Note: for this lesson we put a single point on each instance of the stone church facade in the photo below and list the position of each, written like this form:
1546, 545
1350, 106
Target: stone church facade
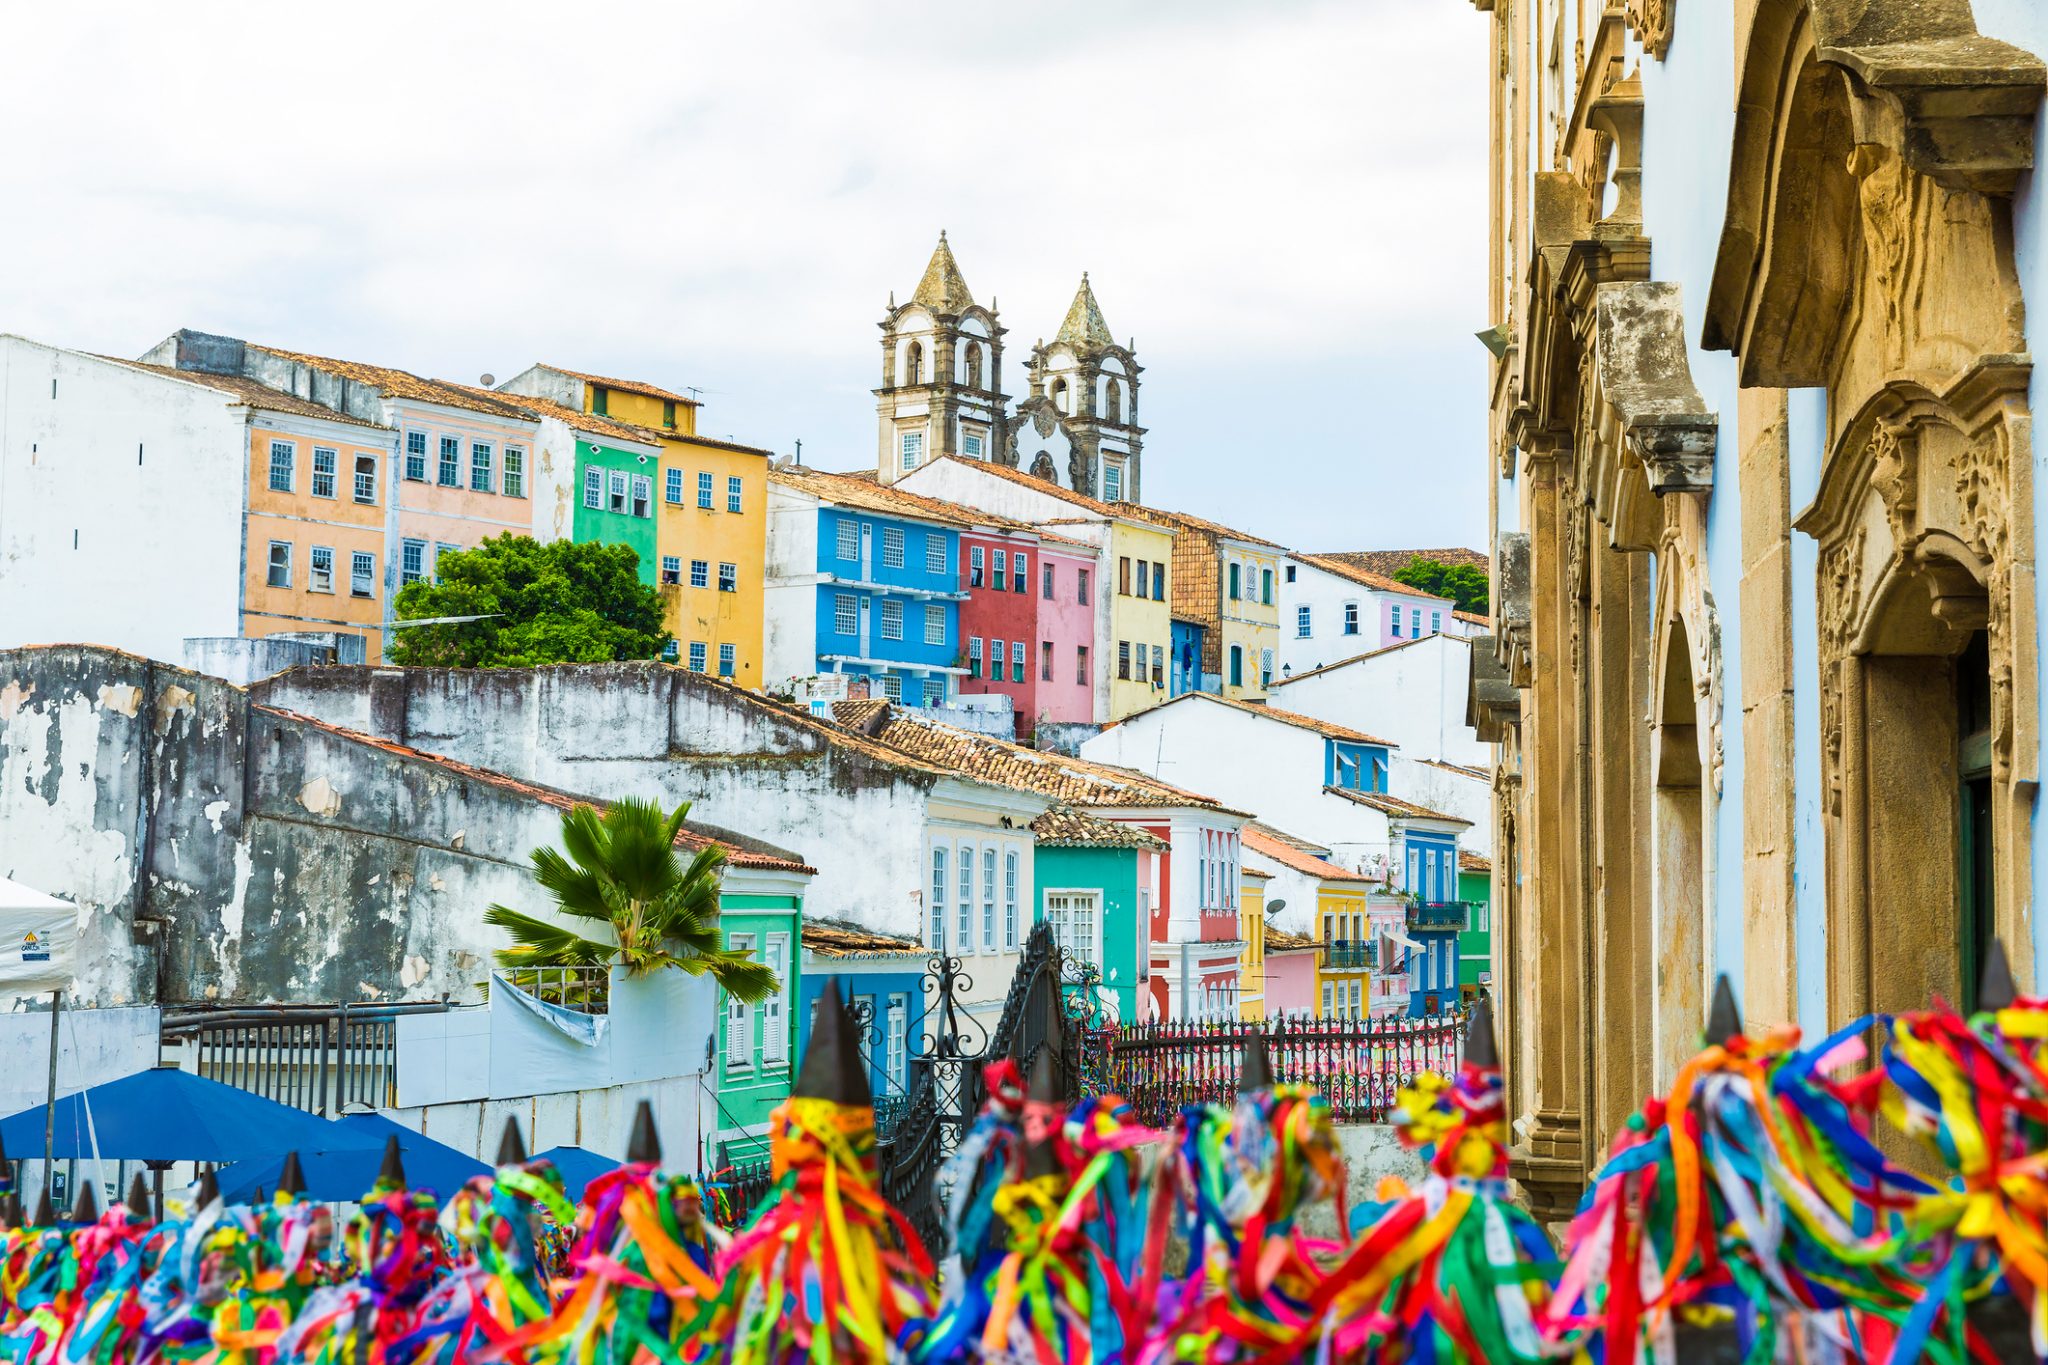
942, 391
1764, 686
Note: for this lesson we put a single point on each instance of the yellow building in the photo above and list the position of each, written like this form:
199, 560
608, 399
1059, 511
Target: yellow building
711, 522
1341, 919
1251, 910
1227, 582
1138, 563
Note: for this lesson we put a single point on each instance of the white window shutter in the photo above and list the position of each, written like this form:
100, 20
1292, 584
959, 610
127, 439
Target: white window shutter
775, 1013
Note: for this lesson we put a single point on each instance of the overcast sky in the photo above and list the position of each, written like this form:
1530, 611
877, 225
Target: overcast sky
1282, 202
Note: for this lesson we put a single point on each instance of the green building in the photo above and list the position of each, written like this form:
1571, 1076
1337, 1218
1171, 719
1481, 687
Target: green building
1094, 887
616, 502
761, 911
1475, 944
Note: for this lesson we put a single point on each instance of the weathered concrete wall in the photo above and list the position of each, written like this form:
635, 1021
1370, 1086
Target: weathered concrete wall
1371, 1153
643, 729
219, 850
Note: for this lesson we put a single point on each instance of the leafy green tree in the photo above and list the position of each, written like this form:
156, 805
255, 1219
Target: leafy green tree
559, 603
622, 871
1465, 584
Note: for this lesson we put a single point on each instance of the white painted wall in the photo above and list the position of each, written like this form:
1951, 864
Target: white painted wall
1467, 796
1413, 695
790, 588
1325, 594
97, 546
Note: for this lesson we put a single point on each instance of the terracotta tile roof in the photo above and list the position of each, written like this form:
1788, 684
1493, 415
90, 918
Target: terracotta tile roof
1372, 654
871, 496
1064, 827
404, 384
1188, 521
251, 393
1461, 769
1280, 941
1078, 781
626, 386
693, 439
1386, 562
1394, 806
1343, 568
1262, 841
1474, 862
832, 939
1473, 618
740, 850
1327, 729
590, 424
1067, 495
1254, 872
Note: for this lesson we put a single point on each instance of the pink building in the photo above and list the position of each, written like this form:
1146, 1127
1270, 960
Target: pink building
1067, 579
1290, 974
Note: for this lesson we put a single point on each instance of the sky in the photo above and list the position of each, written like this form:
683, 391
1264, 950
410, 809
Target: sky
1281, 203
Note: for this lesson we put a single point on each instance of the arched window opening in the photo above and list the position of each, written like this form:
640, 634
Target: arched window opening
1113, 402
1678, 838
913, 364
974, 365
1059, 394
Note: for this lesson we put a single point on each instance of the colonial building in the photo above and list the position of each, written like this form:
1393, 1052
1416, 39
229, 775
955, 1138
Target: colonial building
1332, 609
1762, 457
941, 393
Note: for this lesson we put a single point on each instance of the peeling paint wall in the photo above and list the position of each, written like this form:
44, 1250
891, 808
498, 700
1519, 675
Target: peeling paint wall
670, 735
221, 852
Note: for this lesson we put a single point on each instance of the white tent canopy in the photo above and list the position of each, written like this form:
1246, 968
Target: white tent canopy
38, 939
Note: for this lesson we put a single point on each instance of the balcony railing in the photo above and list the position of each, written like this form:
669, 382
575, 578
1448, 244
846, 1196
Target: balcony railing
1349, 955
1454, 915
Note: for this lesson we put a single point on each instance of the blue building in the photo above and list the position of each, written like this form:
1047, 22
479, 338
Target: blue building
863, 580
1185, 672
1428, 853
883, 979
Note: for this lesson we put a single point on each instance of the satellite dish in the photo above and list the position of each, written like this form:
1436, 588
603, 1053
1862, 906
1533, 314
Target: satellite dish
488, 380
1275, 906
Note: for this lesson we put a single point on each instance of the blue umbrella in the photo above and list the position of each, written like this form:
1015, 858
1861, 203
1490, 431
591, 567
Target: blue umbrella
168, 1115
578, 1167
347, 1173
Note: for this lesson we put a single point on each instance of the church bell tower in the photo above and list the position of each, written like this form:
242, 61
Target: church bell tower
942, 375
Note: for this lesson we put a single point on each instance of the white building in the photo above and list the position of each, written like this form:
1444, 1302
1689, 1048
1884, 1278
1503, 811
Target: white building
121, 503
1412, 692
1331, 610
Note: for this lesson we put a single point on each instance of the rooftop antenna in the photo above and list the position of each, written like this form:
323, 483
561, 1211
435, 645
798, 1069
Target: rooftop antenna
487, 379
799, 451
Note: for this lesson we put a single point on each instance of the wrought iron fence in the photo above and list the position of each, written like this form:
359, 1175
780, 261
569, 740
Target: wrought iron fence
1358, 1064
1349, 955
1440, 915
321, 1058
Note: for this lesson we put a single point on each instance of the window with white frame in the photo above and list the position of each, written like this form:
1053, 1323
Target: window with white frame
449, 467
974, 566
995, 660
320, 569
934, 552
362, 578
1002, 570
892, 620
283, 456
728, 660
699, 656
1301, 622
1328, 989
1073, 918
844, 622
735, 493
934, 624
1351, 618
1112, 481
934, 691
325, 464
618, 491
416, 456
1436, 623
412, 561
1415, 623
974, 656
1010, 899
728, 577
848, 538
279, 574
1020, 572
964, 918
1017, 661
739, 1017
970, 444
700, 573
672, 486
482, 479
892, 686
988, 900
672, 568
892, 547
896, 1043
366, 479
643, 495
936, 930
593, 487
913, 450
515, 472
705, 488
775, 1009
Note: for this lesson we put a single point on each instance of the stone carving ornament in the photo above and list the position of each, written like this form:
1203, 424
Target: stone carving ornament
1650, 21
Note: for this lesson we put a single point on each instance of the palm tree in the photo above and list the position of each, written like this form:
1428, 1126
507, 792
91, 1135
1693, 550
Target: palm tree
622, 870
